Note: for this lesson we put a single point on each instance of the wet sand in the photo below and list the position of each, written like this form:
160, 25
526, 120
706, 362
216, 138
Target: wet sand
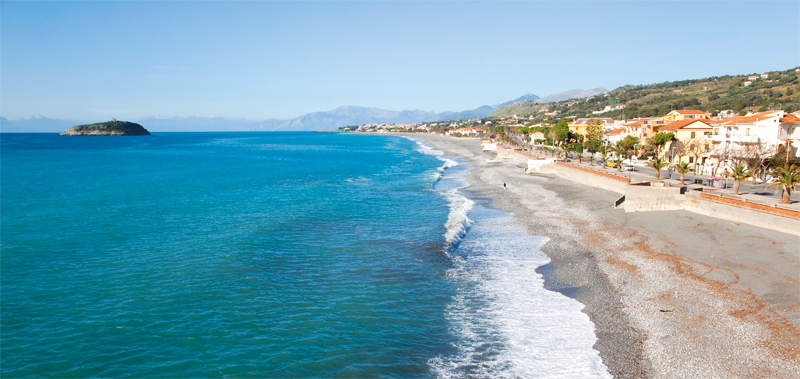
672, 294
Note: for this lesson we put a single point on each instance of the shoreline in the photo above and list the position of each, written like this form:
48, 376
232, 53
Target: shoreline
671, 293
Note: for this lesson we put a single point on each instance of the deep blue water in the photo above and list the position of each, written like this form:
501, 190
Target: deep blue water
266, 254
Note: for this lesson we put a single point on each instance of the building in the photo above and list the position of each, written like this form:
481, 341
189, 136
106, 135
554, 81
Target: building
772, 129
688, 132
681, 114
613, 136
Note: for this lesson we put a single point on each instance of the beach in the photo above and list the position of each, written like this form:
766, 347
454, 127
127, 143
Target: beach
672, 294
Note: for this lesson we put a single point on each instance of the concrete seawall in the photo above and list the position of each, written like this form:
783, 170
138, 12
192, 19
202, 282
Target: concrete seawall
592, 178
735, 210
641, 197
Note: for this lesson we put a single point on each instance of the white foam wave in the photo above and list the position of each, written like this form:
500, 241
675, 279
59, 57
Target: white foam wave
508, 325
457, 221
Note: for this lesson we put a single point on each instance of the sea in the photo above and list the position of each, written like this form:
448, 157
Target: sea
279, 255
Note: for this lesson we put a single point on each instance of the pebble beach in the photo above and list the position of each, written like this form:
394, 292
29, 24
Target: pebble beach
672, 294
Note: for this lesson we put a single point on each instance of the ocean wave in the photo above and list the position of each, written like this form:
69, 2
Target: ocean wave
457, 223
508, 325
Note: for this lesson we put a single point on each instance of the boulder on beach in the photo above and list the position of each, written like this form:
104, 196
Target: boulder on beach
109, 128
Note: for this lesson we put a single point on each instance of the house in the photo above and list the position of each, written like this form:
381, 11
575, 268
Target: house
580, 125
747, 83
687, 131
681, 114
537, 136
613, 136
466, 132
752, 77
765, 75
770, 129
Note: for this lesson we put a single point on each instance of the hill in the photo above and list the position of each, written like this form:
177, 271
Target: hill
779, 90
108, 128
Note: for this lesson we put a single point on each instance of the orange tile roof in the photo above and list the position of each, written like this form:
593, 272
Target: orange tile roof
790, 118
615, 131
747, 119
681, 124
637, 123
690, 111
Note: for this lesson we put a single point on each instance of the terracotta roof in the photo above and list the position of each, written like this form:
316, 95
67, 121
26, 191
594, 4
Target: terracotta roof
637, 123
681, 124
690, 111
615, 131
746, 119
790, 118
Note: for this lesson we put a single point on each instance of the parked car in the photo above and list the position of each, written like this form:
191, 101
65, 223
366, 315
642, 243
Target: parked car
628, 167
612, 164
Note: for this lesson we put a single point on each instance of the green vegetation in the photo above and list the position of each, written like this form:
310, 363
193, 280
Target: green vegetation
683, 168
657, 164
786, 179
779, 91
738, 174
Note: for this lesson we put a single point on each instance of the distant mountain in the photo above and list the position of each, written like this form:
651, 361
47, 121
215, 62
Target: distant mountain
327, 120
527, 96
36, 124
571, 94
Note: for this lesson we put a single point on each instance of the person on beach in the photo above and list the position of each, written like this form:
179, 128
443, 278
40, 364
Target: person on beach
504, 186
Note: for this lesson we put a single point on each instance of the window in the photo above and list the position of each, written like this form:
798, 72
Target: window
692, 135
747, 132
691, 159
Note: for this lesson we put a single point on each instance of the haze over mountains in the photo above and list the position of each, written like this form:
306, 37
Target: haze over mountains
327, 120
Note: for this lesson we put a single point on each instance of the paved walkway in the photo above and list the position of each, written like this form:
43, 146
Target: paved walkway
756, 193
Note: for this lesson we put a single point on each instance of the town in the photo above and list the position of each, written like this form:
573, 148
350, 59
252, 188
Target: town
755, 145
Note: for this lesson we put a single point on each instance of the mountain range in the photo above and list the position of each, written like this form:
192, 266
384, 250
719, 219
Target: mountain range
327, 120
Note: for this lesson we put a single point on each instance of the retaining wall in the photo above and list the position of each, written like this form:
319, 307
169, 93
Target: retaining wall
642, 198
542, 166
783, 220
592, 178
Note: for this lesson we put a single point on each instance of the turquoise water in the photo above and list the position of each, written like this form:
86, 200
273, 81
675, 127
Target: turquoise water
270, 255
281, 254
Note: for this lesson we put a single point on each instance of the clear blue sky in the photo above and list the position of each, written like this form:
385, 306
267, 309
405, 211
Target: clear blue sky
259, 60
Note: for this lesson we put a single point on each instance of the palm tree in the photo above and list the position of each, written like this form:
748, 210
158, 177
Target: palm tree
620, 151
738, 174
568, 149
787, 180
604, 156
657, 164
580, 157
682, 168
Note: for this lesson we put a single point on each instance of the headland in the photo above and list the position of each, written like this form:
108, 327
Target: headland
672, 293
108, 128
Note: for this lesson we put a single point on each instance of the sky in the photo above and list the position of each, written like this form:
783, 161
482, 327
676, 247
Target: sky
258, 60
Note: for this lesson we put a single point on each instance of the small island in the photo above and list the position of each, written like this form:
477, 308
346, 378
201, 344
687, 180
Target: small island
108, 128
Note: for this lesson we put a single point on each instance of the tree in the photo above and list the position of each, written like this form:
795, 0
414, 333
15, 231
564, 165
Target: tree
604, 157
620, 152
580, 156
593, 141
660, 140
657, 164
756, 157
786, 180
561, 129
682, 168
629, 142
695, 148
568, 148
738, 174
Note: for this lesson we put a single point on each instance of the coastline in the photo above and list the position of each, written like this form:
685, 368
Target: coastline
671, 293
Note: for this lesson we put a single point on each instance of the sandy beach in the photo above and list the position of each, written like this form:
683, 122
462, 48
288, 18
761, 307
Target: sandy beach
672, 294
